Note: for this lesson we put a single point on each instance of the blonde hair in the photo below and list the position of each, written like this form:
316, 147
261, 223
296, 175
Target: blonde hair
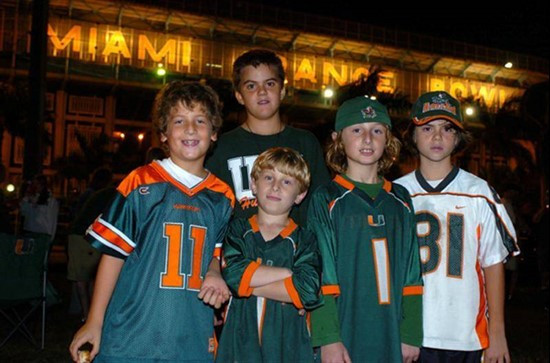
337, 160
285, 160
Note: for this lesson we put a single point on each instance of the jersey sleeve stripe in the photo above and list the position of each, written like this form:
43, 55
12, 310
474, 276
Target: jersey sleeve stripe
217, 252
330, 290
108, 244
412, 290
507, 238
293, 293
107, 236
115, 230
244, 287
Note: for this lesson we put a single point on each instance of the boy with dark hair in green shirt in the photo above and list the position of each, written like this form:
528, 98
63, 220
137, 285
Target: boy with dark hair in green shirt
258, 79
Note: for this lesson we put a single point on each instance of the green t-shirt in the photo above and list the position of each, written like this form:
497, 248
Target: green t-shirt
235, 153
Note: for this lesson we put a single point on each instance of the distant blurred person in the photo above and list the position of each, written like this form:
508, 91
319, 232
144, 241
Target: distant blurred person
541, 221
39, 208
83, 259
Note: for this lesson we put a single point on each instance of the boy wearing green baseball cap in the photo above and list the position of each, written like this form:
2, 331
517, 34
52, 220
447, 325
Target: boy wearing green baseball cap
364, 225
465, 235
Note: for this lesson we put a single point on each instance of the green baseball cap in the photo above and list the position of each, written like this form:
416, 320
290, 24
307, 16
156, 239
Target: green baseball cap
360, 110
437, 105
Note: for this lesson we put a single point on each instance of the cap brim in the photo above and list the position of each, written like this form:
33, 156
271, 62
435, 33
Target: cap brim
425, 120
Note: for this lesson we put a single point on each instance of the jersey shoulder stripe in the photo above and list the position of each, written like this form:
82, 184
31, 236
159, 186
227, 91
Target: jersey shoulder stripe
155, 173
144, 175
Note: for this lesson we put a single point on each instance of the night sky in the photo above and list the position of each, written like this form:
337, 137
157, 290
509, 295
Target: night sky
521, 28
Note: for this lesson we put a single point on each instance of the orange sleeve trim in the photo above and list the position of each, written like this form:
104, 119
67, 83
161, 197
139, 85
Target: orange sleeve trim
294, 296
330, 290
413, 290
244, 288
217, 252
110, 236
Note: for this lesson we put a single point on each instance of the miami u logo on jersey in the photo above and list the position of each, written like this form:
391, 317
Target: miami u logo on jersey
240, 168
380, 221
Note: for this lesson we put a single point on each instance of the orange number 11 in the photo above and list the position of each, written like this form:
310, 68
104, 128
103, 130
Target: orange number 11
172, 277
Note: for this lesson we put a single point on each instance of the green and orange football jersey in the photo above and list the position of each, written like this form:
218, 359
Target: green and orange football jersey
258, 329
167, 233
370, 262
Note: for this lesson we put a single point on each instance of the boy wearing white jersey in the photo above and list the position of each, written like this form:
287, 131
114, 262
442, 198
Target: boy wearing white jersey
464, 235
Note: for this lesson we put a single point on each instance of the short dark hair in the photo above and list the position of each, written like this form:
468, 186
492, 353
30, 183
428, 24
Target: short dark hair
254, 58
190, 94
464, 138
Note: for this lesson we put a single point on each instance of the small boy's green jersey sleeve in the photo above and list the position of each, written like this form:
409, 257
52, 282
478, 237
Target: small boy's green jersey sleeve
306, 270
237, 270
321, 225
325, 326
411, 325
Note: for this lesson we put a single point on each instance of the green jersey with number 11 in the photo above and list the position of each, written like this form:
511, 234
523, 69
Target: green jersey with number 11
167, 234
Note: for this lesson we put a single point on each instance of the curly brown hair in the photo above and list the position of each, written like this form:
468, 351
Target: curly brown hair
337, 160
190, 95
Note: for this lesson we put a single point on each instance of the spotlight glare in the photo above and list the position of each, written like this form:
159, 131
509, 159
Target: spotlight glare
10, 188
141, 136
160, 70
470, 111
508, 65
328, 93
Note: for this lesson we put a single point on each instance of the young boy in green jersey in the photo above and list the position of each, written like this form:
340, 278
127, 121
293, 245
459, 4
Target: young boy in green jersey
160, 240
258, 79
272, 267
365, 229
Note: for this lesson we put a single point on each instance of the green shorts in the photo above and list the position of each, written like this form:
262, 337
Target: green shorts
83, 259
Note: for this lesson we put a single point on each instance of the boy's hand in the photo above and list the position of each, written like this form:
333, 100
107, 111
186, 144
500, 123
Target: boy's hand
88, 333
410, 353
335, 353
214, 290
497, 350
